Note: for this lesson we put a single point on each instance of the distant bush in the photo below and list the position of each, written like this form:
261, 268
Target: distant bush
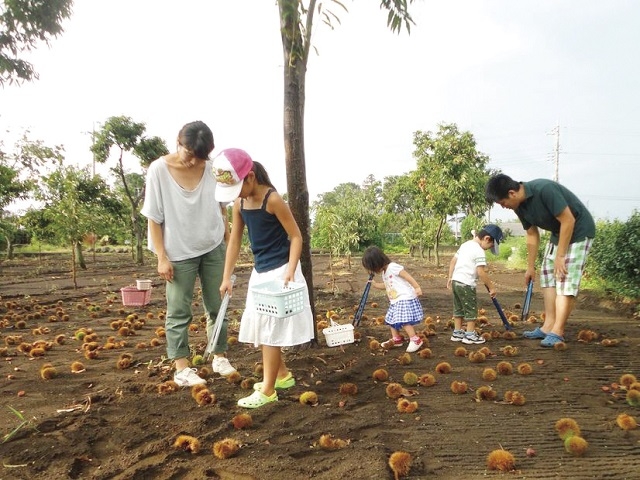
613, 265
470, 223
506, 250
514, 249
615, 256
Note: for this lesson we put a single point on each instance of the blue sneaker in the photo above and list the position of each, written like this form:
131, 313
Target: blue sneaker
533, 334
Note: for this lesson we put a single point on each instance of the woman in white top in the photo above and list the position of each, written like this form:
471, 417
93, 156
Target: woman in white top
187, 232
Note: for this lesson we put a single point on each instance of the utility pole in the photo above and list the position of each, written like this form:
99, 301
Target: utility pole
556, 131
93, 142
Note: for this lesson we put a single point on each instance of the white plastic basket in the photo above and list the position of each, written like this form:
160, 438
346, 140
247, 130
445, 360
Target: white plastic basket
338, 334
274, 299
143, 284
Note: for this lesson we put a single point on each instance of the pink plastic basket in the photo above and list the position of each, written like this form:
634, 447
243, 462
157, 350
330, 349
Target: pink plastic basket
132, 297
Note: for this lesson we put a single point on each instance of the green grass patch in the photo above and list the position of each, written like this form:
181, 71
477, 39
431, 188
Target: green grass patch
23, 423
44, 248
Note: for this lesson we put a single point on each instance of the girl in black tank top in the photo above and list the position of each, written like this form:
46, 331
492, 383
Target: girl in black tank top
268, 238
276, 243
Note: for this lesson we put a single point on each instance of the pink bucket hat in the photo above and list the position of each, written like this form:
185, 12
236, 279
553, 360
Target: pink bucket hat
230, 167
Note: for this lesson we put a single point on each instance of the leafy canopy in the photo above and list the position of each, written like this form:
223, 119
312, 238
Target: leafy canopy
346, 218
75, 202
24, 24
122, 135
452, 171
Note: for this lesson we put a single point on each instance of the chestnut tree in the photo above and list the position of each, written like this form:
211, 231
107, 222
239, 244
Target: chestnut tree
122, 135
296, 26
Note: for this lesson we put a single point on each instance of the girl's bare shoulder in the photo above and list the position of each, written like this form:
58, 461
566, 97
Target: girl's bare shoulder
275, 200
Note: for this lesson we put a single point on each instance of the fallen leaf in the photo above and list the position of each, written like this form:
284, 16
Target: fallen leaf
409, 393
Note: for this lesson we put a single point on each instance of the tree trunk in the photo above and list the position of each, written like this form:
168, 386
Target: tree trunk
296, 171
436, 247
80, 256
295, 67
333, 276
136, 247
73, 266
9, 247
139, 247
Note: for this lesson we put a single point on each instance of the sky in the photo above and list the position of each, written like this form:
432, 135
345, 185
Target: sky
511, 73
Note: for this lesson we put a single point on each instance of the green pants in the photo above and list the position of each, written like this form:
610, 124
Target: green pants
209, 269
465, 303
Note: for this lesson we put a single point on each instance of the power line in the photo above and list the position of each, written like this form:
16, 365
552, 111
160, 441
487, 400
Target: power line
523, 161
610, 197
604, 154
600, 131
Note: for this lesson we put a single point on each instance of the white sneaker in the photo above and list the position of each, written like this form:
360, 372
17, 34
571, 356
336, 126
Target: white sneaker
414, 346
473, 339
222, 366
188, 378
457, 335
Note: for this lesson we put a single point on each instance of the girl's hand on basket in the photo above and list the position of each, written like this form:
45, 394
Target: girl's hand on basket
288, 277
226, 287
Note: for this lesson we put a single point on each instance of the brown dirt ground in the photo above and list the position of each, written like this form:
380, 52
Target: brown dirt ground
111, 423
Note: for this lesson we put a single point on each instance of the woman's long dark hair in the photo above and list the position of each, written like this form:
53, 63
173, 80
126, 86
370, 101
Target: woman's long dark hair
262, 177
197, 137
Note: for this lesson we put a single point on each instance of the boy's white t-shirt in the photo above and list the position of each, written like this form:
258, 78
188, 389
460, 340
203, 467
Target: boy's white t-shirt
397, 287
191, 221
469, 257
